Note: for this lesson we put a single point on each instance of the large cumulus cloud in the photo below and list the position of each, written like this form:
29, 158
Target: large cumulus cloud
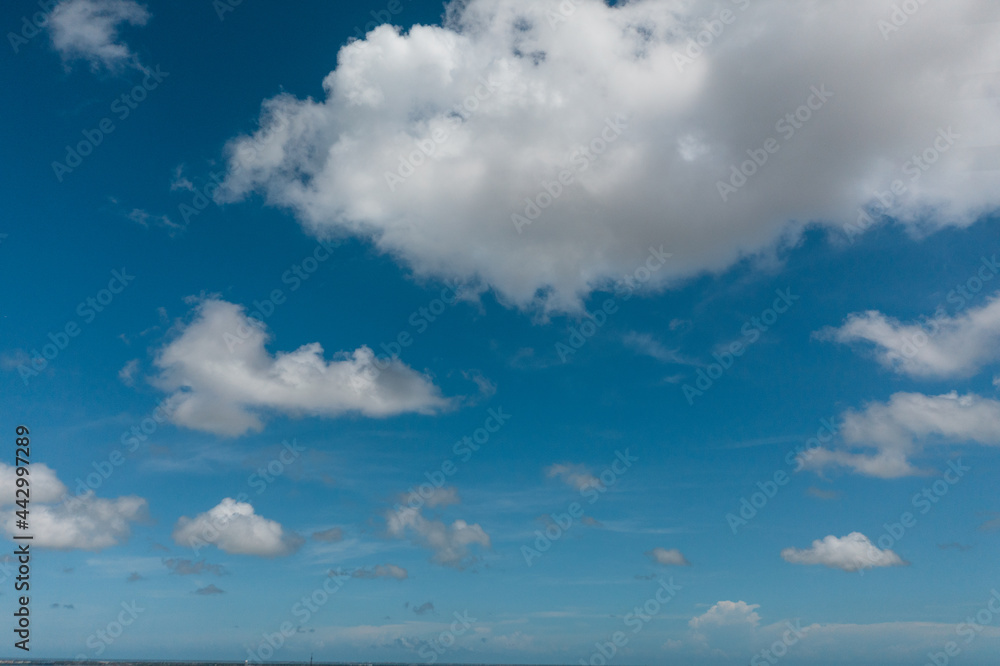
549, 78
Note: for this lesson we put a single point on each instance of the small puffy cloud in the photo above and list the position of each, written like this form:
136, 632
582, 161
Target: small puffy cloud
233, 527
449, 543
938, 347
331, 535
134, 577
423, 608
850, 553
505, 100
901, 428
221, 377
84, 522
183, 567
725, 613
209, 590
575, 475
726, 623
88, 30
671, 557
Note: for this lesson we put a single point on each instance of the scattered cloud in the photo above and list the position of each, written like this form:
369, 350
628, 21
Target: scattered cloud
133, 577
671, 557
331, 535
183, 567
220, 377
574, 475
88, 30
147, 219
954, 545
233, 527
378, 571
820, 493
209, 590
449, 543
939, 347
127, 373
901, 428
850, 553
424, 608
991, 525
647, 345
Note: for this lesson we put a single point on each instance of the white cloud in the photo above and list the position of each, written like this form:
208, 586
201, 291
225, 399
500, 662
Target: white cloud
942, 346
726, 624
551, 89
234, 528
901, 428
450, 543
726, 613
88, 30
849, 553
84, 522
672, 557
221, 377
45, 485
576, 476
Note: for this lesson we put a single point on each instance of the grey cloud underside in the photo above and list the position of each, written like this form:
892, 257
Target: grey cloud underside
552, 87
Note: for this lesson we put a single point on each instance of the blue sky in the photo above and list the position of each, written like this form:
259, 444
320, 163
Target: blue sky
602, 278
